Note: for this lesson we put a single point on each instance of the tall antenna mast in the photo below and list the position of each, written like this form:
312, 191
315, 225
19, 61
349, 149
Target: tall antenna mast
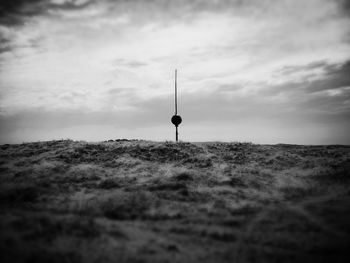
176, 119
175, 91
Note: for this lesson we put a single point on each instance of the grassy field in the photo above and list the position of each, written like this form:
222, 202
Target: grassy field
140, 201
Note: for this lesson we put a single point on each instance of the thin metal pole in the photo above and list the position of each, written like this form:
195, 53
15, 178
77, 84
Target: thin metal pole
175, 91
177, 135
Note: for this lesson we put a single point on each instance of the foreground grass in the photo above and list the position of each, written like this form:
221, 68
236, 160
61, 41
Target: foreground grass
140, 201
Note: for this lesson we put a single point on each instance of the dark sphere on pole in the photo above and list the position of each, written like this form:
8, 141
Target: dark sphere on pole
176, 120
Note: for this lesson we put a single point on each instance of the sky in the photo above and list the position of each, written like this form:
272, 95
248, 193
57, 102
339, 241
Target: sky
261, 71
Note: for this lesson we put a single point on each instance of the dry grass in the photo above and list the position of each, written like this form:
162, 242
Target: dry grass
140, 201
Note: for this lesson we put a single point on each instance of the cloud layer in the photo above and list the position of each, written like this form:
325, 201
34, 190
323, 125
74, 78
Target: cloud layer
262, 71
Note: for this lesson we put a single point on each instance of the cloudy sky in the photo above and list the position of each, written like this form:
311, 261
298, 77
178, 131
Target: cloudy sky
264, 71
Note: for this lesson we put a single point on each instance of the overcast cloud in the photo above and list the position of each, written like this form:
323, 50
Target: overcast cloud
264, 71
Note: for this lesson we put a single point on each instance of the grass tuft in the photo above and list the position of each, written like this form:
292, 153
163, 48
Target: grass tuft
125, 205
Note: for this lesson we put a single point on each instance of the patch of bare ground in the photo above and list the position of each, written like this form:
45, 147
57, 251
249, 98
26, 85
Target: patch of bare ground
141, 201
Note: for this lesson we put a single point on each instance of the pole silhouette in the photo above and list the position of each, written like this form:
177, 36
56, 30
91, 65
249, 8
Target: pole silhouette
176, 119
175, 91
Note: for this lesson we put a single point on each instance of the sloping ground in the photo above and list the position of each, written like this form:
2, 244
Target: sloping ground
140, 201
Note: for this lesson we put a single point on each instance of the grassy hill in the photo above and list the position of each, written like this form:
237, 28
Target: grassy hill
141, 201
